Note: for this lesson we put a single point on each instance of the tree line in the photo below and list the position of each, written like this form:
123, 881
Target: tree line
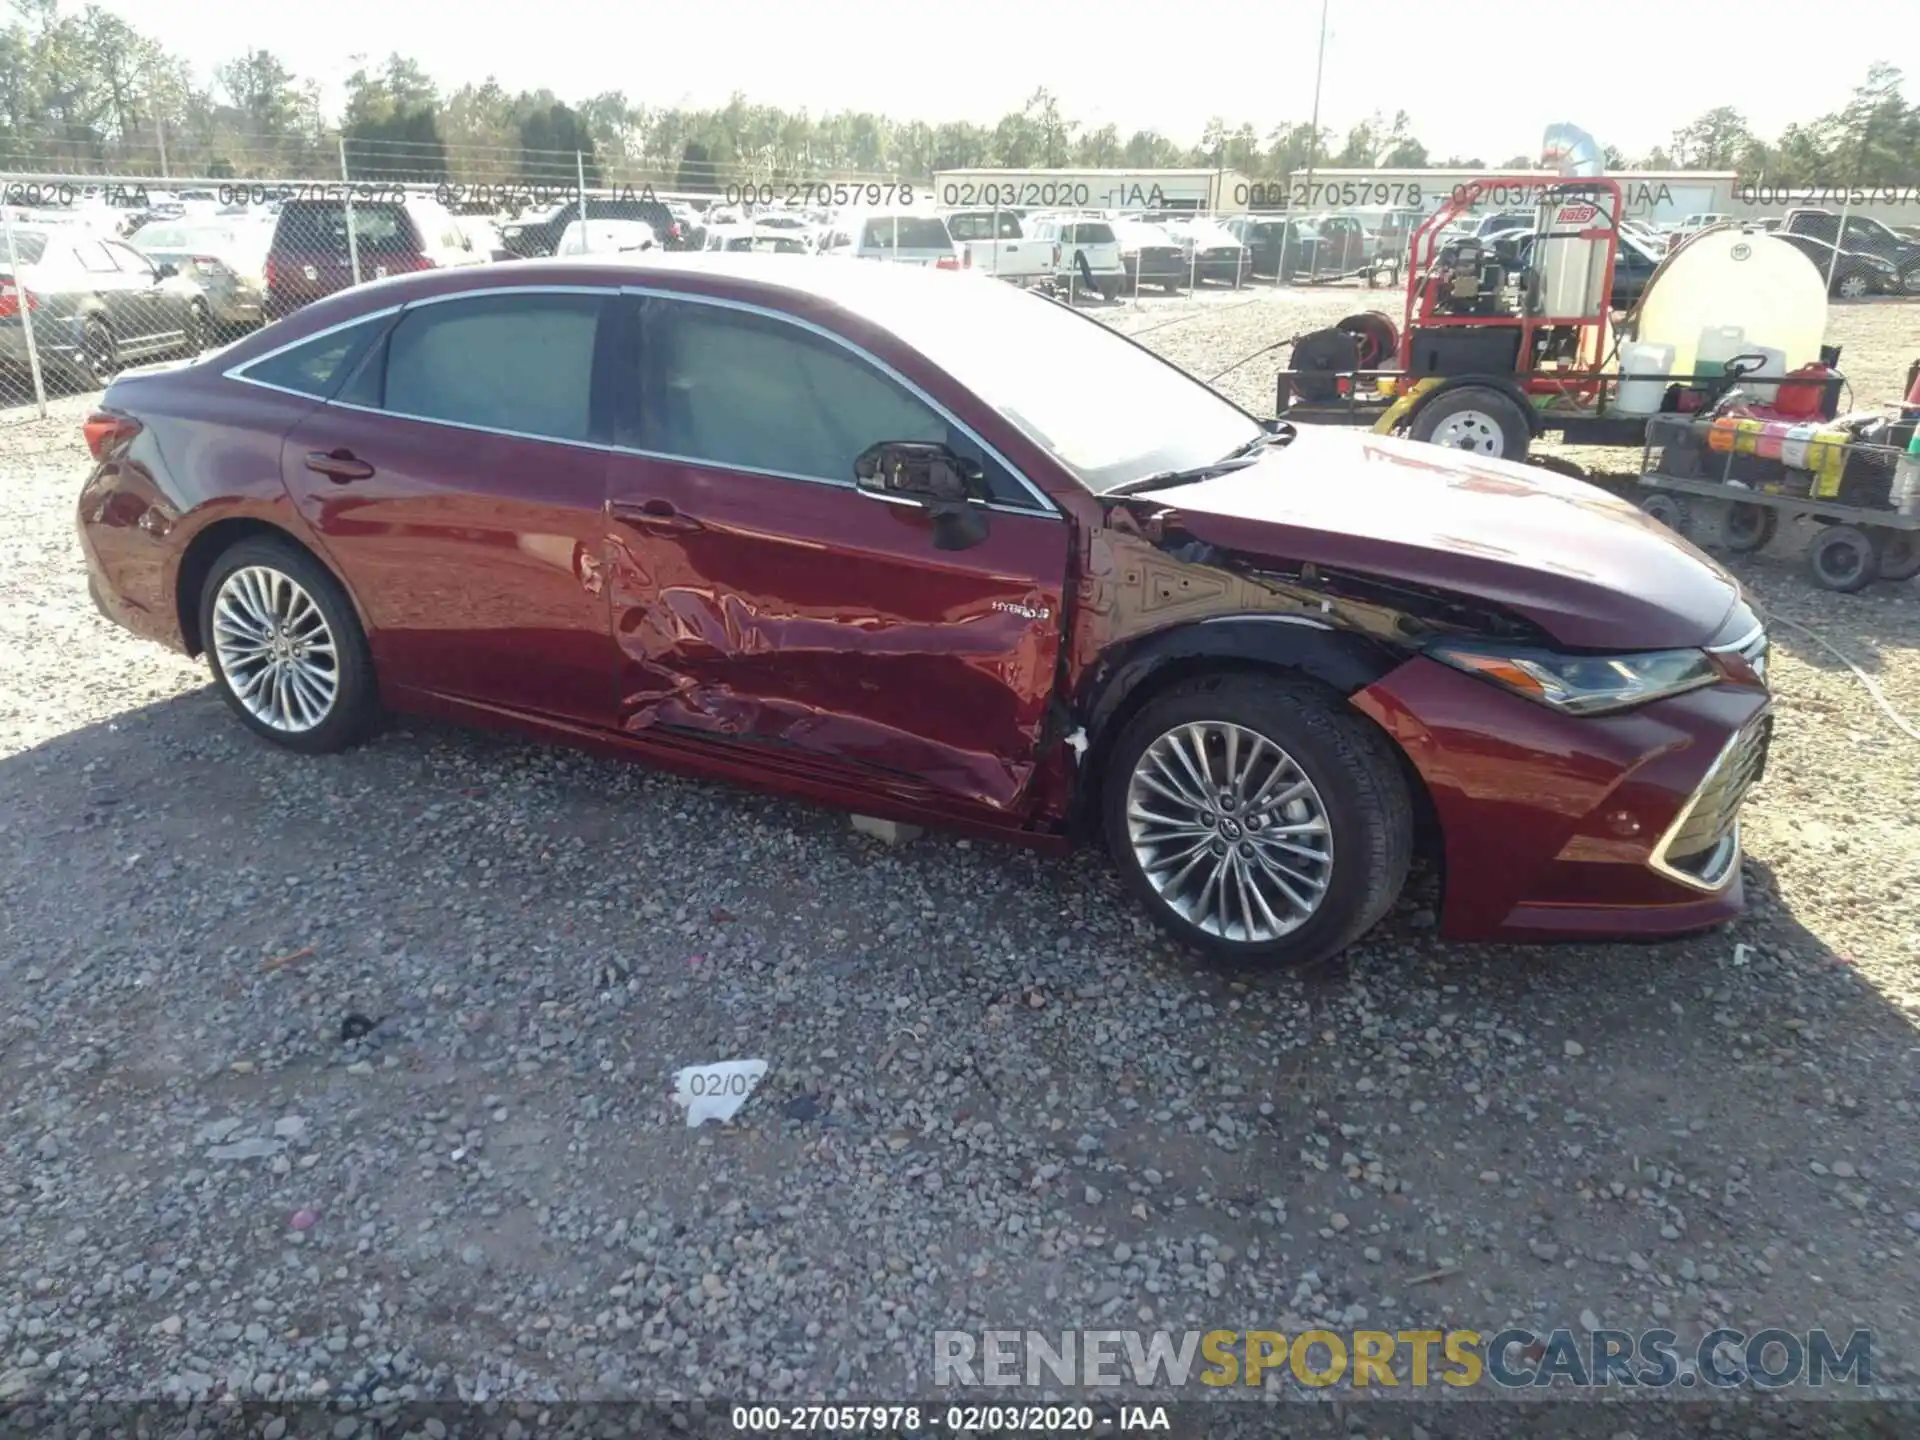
85, 93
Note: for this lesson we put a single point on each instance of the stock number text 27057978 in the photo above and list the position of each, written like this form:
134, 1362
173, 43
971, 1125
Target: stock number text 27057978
1331, 194
823, 193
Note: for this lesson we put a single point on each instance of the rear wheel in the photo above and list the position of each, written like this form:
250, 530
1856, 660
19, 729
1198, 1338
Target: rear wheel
1843, 558
1257, 819
286, 648
1750, 527
1475, 419
1670, 510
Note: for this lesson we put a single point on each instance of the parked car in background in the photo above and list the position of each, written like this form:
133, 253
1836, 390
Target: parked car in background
483, 237
996, 243
227, 258
539, 233
606, 237
1151, 256
1634, 261
1850, 276
1212, 252
312, 255
1088, 251
764, 239
1329, 247
1866, 239
1693, 224
901, 237
96, 304
1272, 242
768, 555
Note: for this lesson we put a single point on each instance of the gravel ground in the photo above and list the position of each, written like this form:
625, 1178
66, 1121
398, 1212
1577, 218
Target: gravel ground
995, 1096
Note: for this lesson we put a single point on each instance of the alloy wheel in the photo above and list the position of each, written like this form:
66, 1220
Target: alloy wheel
1229, 831
275, 649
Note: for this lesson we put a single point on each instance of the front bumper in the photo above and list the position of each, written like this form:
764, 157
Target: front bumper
1559, 827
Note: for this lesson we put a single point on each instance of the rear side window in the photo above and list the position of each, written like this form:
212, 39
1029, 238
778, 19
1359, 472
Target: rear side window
380, 227
1090, 234
28, 245
907, 232
522, 363
981, 227
317, 366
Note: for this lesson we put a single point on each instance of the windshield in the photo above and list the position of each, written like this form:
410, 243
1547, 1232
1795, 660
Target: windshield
1109, 410
28, 245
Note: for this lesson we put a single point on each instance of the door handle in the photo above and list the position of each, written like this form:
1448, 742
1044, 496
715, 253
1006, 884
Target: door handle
340, 466
655, 514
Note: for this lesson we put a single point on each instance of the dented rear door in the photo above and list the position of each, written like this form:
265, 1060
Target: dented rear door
760, 599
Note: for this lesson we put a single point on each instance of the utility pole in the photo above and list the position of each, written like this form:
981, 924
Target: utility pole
1313, 129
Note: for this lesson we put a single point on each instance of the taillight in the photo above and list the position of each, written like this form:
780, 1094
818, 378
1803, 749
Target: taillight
966, 258
208, 263
1056, 257
11, 298
946, 262
107, 432
271, 275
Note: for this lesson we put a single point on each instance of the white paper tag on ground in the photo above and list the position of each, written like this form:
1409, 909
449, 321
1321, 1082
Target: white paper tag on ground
717, 1090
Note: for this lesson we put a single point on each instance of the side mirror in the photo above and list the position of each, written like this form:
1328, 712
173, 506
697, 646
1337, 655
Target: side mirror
950, 488
165, 272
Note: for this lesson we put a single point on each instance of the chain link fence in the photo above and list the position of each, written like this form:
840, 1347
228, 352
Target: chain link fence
105, 267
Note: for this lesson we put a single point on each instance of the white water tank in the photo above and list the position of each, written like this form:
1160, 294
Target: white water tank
1728, 284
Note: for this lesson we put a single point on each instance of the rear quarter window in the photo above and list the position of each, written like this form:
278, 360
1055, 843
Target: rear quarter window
907, 232
1097, 234
317, 366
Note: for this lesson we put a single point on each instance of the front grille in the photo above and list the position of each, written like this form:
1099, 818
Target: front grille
1705, 845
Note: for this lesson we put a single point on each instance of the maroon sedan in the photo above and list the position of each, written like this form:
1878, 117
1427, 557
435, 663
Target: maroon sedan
934, 549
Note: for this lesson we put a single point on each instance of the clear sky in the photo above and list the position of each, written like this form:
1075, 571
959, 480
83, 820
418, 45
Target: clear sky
1478, 77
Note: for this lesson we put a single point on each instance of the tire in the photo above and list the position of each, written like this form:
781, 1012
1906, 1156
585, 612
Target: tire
1671, 511
1843, 559
261, 569
1854, 285
1476, 419
98, 356
199, 328
1750, 527
1910, 282
1354, 789
1899, 554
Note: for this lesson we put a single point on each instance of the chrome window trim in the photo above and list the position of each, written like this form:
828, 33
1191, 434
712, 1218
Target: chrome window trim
1043, 502
1730, 867
239, 372
1046, 507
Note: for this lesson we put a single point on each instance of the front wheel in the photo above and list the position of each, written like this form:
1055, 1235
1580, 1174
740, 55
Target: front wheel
1258, 819
1475, 419
1854, 286
1899, 554
286, 648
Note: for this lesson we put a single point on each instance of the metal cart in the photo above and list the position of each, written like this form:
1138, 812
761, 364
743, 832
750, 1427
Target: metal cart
1733, 491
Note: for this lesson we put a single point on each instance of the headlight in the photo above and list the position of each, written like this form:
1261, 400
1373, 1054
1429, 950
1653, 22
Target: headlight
1583, 684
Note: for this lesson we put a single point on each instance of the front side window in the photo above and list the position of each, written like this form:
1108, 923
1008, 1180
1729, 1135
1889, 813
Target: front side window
744, 391
521, 363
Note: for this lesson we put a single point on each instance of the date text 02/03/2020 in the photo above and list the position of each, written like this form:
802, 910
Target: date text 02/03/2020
960, 1419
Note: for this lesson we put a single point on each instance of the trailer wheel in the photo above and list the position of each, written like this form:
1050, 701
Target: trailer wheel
1899, 554
1476, 419
1750, 527
1843, 558
1670, 510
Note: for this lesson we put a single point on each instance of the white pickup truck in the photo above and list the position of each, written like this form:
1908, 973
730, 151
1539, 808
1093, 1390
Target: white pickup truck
996, 243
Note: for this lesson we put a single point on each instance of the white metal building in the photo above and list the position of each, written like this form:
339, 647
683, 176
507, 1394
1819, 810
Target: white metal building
1218, 191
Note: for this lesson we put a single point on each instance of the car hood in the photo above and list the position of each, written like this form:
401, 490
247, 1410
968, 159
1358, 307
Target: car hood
1589, 569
